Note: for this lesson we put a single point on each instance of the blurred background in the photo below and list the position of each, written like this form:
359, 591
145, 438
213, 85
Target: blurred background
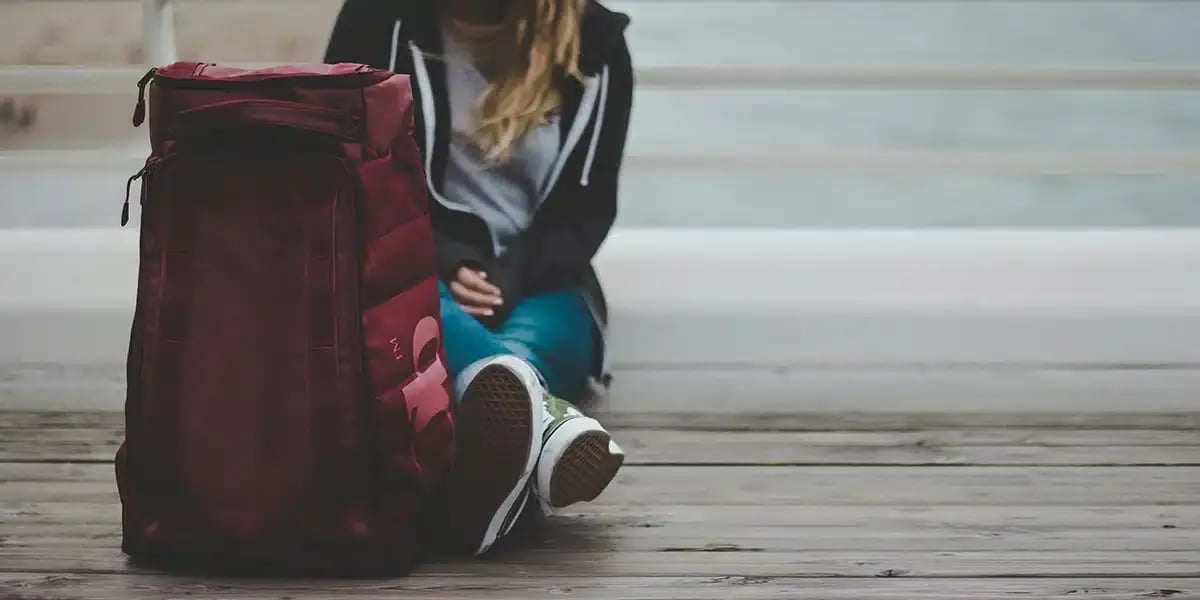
905, 300
925, 113
821, 182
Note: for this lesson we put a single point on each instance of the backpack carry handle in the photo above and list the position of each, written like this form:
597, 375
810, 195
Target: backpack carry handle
252, 113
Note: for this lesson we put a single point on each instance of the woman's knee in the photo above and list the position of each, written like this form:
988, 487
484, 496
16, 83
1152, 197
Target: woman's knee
526, 353
565, 374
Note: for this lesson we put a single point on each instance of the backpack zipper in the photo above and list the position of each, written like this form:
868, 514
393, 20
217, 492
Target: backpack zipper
139, 110
141, 174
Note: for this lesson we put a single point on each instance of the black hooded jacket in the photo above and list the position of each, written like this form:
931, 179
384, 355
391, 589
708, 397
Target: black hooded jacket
556, 251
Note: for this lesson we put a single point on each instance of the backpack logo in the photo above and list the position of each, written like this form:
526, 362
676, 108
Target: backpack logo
426, 394
396, 353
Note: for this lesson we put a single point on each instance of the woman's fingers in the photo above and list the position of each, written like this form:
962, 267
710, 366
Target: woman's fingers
477, 281
478, 311
466, 295
474, 294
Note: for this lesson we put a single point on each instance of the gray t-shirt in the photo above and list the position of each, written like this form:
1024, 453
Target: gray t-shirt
506, 195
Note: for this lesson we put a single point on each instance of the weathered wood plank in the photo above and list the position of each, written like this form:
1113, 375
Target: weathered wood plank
1049, 438
664, 447
767, 450
839, 517
614, 535
751, 419
716, 563
779, 452
54, 437
773, 486
906, 485
109, 425
142, 586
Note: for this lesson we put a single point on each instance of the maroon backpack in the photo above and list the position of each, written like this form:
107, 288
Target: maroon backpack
288, 402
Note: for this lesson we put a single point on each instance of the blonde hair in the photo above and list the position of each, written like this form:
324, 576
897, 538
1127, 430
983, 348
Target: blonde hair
526, 59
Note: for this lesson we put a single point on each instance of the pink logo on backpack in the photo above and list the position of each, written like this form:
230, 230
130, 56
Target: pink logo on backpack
429, 384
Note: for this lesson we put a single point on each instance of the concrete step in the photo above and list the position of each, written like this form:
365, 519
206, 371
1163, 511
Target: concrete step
686, 297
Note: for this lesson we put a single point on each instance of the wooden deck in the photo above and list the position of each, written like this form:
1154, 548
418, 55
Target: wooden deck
962, 503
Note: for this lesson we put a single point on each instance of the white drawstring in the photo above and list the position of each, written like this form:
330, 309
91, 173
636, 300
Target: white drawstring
423, 86
591, 155
587, 107
395, 45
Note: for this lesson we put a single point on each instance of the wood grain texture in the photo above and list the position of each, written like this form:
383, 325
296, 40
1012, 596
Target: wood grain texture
766, 486
609, 534
667, 447
835, 517
731, 507
64, 406
142, 586
96, 438
780, 529
656, 448
719, 562
92, 426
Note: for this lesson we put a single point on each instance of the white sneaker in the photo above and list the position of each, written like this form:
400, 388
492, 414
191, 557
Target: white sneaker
579, 458
497, 425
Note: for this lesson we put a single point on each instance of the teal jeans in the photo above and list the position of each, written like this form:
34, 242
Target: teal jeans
553, 332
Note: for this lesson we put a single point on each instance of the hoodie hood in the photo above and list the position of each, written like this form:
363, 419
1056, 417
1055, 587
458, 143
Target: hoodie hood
602, 35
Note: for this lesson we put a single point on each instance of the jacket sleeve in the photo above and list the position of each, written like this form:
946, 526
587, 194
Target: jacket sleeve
565, 236
453, 253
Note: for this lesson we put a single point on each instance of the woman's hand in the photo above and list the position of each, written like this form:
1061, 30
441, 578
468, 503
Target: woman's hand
474, 294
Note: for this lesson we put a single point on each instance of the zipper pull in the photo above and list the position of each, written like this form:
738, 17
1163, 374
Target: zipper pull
139, 111
129, 185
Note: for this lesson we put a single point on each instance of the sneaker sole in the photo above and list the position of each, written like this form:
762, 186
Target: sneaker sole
584, 470
495, 433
